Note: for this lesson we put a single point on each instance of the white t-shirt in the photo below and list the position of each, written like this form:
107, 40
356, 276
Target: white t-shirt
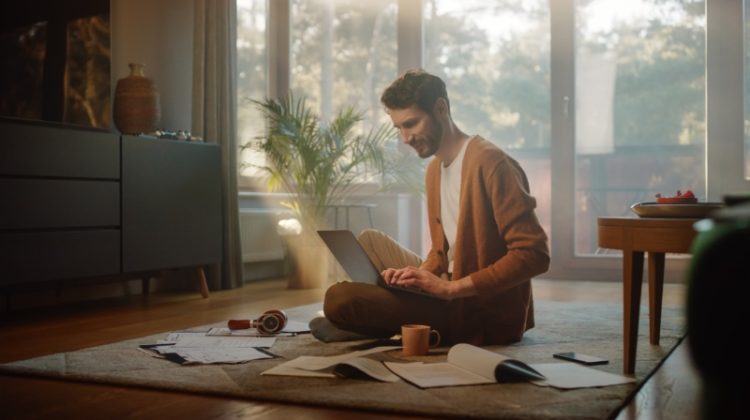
450, 193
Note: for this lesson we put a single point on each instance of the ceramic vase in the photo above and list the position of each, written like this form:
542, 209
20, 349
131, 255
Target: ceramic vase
136, 107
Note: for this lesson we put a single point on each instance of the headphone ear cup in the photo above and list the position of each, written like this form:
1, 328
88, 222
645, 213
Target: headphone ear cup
272, 322
280, 314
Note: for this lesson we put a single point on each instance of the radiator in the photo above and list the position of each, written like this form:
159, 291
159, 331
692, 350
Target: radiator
258, 236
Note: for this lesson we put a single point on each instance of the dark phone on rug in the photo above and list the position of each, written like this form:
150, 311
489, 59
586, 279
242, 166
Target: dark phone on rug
581, 358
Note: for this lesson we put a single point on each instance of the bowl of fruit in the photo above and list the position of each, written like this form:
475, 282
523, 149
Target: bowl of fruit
681, 198
681, 205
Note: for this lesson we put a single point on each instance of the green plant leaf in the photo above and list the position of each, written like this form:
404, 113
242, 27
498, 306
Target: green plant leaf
318, 163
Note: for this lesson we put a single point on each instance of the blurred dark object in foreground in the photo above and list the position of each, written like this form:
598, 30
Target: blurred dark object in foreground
718, 309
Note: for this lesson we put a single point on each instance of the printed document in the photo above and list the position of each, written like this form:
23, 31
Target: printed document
189, 347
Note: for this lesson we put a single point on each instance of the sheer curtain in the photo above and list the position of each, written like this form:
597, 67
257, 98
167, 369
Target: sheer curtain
215, 114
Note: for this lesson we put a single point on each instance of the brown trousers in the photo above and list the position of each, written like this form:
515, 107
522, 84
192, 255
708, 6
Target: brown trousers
379, 312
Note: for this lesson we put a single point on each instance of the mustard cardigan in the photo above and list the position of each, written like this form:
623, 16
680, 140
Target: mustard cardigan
499, 243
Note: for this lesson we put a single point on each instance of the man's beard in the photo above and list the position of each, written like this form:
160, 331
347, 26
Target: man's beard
431, 141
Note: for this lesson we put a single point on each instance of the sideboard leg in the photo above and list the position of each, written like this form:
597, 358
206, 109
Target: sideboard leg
202, 282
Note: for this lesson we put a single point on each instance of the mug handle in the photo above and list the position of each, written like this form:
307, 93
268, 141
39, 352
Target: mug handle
437, 338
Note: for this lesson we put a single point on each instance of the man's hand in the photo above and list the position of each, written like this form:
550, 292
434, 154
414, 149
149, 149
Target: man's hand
422, 279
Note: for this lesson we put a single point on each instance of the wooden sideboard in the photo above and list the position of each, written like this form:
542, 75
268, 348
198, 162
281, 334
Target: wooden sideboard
82, 203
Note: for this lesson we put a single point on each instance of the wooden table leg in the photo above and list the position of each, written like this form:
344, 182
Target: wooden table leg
655, 291
631, 281
202, 285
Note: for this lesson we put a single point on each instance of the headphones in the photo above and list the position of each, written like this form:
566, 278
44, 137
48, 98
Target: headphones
270, 322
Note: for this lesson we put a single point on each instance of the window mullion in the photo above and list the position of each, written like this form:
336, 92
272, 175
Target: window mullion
724, 99
279, 47
410, 34
562, 120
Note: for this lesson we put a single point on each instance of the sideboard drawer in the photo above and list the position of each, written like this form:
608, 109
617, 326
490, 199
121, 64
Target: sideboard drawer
54, 152
51, 203
38, 256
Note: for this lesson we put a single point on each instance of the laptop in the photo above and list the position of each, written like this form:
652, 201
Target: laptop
353, 258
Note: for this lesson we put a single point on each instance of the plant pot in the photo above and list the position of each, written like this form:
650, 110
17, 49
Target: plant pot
308, 262
136, 106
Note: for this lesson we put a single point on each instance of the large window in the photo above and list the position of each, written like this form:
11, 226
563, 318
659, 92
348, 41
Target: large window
494, 58
604, 102
639, 107
343, 53
252, 63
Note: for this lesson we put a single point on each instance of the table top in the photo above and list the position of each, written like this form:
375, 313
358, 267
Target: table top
646, 234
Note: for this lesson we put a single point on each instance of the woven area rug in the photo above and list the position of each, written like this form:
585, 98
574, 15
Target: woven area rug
561, 326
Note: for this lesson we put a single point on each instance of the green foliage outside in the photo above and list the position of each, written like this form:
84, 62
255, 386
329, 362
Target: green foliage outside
499, 87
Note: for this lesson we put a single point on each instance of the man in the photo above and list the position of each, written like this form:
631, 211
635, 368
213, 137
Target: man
487, 243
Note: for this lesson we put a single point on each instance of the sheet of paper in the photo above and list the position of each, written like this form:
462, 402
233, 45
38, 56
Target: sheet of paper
152, 349
197, 347
477, 360
325, 362
202, 340
431, 375
572, 375
250, 332
321, 366
176, 336
285, 370
292, 328
193, 355
374, 368
226, 355
296, 327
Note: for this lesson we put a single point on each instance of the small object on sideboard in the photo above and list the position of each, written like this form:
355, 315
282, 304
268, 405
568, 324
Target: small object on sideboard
136, 107
176, 135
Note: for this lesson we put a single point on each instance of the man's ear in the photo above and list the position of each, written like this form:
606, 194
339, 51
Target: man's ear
441, 107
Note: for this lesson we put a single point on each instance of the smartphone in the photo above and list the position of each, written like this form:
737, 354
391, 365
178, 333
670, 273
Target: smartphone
581, 358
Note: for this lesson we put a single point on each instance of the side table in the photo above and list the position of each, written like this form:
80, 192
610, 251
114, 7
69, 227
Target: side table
656, 236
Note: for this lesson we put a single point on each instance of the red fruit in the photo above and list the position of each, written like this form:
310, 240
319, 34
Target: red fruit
687, 198
688, 194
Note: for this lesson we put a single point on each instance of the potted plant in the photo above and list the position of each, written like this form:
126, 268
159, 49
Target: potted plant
319, 164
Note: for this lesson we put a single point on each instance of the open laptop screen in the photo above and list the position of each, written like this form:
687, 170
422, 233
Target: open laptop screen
353, 258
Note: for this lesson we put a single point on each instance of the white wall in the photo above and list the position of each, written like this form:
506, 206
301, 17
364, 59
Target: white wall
158, 34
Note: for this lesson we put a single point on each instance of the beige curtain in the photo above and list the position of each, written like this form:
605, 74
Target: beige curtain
215, 114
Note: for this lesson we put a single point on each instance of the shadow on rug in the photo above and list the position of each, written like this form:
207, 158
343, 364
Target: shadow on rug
561, 326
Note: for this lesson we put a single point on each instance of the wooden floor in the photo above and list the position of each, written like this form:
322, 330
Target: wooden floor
670, 393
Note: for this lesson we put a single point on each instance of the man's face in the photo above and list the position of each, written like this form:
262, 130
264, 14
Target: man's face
418, 129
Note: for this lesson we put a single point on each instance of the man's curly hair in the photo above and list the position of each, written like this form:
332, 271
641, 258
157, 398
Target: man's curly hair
415, 86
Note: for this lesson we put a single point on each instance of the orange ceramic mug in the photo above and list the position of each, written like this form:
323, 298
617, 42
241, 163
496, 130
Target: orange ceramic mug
415, 339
